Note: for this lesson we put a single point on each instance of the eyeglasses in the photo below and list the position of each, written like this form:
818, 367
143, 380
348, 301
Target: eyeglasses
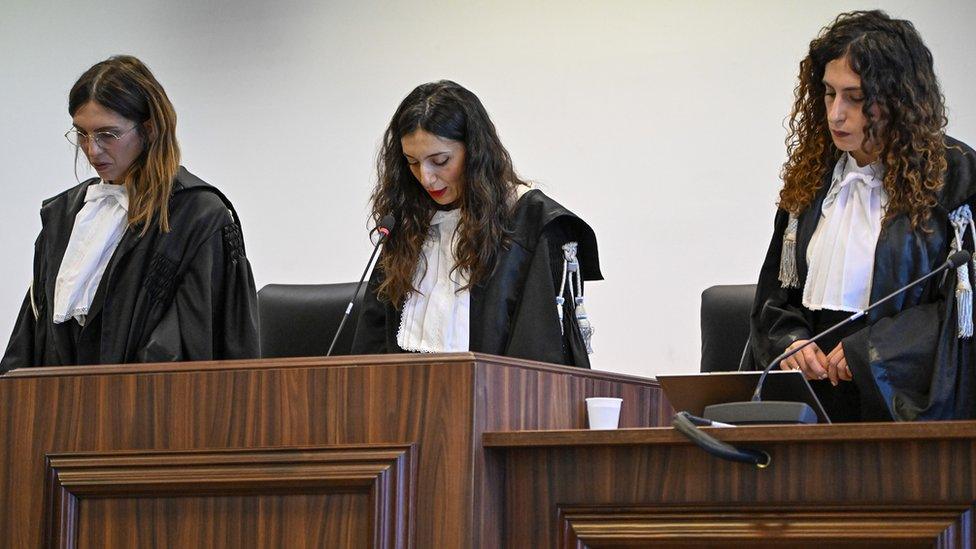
102, 139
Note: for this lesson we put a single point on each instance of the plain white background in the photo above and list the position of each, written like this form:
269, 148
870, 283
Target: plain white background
660, 123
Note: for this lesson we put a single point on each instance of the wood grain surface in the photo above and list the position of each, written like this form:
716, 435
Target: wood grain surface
440, 404
851, 485
344, 497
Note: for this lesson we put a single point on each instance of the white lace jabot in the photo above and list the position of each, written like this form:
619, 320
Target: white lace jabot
97, 231
436, 318
840, 256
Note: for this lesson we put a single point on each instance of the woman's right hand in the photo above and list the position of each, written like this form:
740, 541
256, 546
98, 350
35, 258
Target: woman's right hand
810, 360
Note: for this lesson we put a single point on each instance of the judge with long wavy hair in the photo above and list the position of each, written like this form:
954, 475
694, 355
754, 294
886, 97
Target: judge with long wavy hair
478, 261
875, 195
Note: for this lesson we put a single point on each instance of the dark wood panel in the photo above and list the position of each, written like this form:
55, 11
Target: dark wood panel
518, 399
125, 497
258, 408
818, 474
351, 361
436, 402
941, 430
776, 525
292, 521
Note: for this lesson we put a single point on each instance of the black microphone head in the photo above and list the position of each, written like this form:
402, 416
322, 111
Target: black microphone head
388, 222
959, 258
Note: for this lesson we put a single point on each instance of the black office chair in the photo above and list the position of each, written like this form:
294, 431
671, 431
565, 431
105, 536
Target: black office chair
725, 326
301, 319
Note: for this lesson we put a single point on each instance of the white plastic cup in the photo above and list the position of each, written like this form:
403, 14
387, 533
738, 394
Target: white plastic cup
603, 412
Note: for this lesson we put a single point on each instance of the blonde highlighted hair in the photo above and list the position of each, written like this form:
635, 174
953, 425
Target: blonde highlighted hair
126, 86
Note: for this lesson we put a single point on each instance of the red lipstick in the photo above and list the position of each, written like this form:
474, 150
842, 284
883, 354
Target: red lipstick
437, 194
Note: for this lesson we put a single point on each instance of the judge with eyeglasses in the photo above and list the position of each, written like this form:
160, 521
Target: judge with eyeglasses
144, 263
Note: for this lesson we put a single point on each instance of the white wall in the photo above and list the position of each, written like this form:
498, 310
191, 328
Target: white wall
661, 123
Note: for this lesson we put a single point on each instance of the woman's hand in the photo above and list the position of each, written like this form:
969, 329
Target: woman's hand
810, 360
837, 369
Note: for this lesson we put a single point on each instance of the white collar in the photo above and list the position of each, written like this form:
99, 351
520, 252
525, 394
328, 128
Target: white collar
847, 165
102, 190
436, 317
446, 217
840, 255
98, 228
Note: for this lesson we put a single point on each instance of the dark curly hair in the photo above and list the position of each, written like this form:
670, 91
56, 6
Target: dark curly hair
903, 106
487, 196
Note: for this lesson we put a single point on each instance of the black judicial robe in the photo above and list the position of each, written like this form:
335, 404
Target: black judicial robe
513, 312
183, 295
906, 360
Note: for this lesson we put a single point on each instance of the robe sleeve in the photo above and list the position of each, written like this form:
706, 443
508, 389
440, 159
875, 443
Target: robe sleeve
20, 349
213, 315
912, 366
23, 349
535, 331
372, 336
776, 319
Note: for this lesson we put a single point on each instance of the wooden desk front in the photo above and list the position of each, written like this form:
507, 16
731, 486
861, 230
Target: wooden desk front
868, 485
381, 451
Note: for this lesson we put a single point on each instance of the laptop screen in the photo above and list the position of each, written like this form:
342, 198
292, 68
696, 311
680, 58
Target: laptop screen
692, 392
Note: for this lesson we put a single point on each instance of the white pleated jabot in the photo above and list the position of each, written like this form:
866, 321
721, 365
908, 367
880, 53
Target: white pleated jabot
840, 256
97, 231
436, 318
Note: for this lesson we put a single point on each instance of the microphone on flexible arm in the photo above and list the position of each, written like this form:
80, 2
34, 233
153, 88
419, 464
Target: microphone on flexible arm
759, 411
384, 228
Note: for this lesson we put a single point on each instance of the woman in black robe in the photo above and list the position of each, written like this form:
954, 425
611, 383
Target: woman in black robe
477, 261
867, 136
144, 263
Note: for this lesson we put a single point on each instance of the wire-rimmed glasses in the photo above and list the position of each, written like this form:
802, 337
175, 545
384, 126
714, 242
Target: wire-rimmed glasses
102, 139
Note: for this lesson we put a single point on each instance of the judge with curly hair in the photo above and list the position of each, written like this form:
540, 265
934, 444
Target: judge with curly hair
875, 195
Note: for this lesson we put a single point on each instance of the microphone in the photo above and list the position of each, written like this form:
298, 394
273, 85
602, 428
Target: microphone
957, 259
384, 228
759, 411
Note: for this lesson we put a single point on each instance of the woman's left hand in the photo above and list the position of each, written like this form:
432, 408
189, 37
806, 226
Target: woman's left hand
837, 369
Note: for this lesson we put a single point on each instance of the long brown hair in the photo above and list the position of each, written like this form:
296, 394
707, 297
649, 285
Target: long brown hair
450, 111
903, 105
125, 85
